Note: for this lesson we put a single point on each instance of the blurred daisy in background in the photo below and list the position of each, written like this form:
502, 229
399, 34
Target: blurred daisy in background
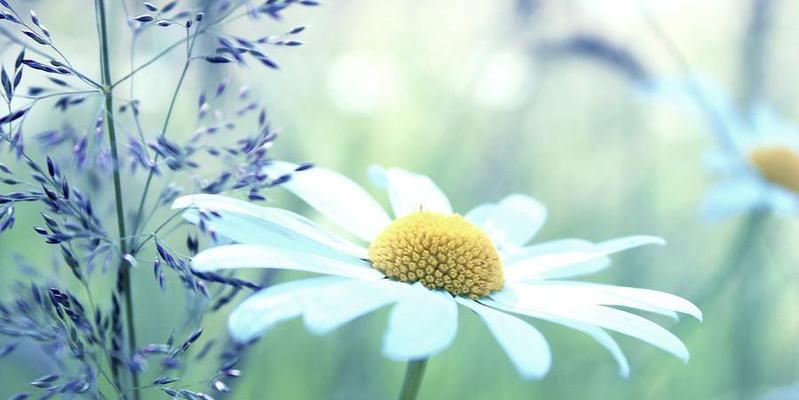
756, 165
426, 261
756, 159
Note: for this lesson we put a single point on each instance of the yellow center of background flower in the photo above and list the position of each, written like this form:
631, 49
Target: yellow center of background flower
777, 164
440, 251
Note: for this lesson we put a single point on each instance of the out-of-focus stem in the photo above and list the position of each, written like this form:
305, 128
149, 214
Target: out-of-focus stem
754, 48
719, 125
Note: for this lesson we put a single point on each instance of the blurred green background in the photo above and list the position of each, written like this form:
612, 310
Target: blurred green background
466, 92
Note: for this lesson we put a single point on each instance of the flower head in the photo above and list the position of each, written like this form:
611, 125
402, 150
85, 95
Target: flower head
440, 251
757, 157
778, 165
426, 262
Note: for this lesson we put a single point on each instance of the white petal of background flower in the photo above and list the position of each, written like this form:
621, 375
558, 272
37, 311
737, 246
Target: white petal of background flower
782, 201
271, 257
526, 347
420, 325
248, 223
409, 192
337, 197
259, 312
327, 308
733, 195
514, 221
576, 260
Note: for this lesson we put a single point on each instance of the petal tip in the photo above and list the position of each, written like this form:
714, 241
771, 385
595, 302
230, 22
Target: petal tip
181, 202
656, 240
699, 315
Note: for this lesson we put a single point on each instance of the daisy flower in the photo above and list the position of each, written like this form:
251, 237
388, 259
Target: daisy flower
426, 262
757, 156
761, 171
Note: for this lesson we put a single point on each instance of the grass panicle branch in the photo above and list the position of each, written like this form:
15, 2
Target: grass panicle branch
96, 341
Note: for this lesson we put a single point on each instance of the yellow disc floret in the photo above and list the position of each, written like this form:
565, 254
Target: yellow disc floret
777, 164
440, 251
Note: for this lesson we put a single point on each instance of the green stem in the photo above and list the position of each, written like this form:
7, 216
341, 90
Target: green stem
751, 302
753, 56
413, 379
134, 71
190, 41
733, 262
140, 209
124, 267
740, 269
716, 120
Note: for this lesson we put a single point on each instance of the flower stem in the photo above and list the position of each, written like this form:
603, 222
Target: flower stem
413, 379
138, 222
753, 303
737, 254
740, 267
124, 267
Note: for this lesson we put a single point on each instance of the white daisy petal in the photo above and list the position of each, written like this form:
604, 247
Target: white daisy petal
338, 198
515, 220
260, 256
248, 223
264, 309
378, 176
608, 295
525, 346
331, 306
600, 316
782, 201
480, 214
420, 325
409, 193
579, 261
601, 337
554, 246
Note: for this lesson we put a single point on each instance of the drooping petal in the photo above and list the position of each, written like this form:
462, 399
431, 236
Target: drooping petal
337, 197
604, 317
572, 262
247, 223
259, 312
609, 295
327, 308
601, 337
409, 192
420, 325
271, 257
512, 222
525, 346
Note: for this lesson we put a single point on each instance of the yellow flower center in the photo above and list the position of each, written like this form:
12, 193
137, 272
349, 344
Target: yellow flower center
440, 251
777, 164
